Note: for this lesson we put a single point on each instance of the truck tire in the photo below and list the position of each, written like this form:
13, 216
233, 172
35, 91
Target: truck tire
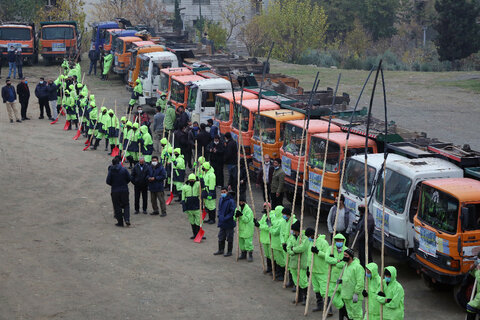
35, 58
463, 291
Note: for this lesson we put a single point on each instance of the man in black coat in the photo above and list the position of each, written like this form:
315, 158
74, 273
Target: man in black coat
23, 96
361, 235
118, 178
52, 97
41, 92
94, 56
140, 182
216, 150
268, 167
204, 140
19, 62
181, 140
232, 179
182, 119
230, 155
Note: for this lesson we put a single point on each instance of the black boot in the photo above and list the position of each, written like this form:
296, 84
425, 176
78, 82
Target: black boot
221, 248
229, 249
97, 142
194, 231
243, 256
269, 266
303, 296
70, 125
250, 256
119, 223
211, 216
279, 272
290, 283
76, 124
319, 306
471, 316
111, 149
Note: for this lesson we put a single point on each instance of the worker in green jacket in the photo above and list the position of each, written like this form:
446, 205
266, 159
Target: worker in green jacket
101, 128
162, 102
297, 246
319, 270
373, 285
169, 120
278, 222
132, 149
335, 260
112, 126
244, 216
209, 194
92, 117
69, 103
164, 153
136, 93
123, 125
178, 171
107, 64
393, 296
285, 234
264, 225
191, 202
351, 287
147, 144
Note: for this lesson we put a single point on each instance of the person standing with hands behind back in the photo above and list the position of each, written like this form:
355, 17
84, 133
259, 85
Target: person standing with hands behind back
119, 178
278, 181
23, 96
9, 96
156, 183
19, 62
41, 92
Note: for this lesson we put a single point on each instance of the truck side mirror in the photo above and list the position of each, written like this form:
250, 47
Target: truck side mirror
465, 218
204, 101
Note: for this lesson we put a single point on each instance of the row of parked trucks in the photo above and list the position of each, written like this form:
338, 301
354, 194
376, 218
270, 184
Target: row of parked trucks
432, 204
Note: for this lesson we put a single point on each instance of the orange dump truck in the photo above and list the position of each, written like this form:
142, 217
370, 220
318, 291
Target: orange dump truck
59, 40
290, 150
166, 75
122, 47
136, 60
224, 108
179, 89
19, 36
109, 36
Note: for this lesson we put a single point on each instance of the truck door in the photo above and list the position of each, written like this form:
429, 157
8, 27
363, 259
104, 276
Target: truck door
470, 220
412, 211
156, 75
207, 108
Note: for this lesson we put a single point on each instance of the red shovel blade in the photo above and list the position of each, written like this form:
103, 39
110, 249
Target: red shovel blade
170, 199
204, 214
67, 124
77, 135
88, 145
115, 152
199, 236
62, 112
54, 121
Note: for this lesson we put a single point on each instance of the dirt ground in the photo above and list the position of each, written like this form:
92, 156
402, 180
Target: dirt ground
63, 258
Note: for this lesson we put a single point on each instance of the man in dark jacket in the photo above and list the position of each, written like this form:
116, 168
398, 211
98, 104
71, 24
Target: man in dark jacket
52, 97
41, 92
192, 137
216, 150
232, 179
181, 140
11, 58
230, 155
213, 128
181, 119
9, 96
140, 182
226, 222
94, 56
361, 235
267, 179
23, 96
118, 178
19, 62
204, 140
156, 181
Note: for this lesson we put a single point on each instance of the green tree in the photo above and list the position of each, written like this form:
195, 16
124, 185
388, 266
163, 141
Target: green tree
458, 31
20, 10
177, 19
294, 26
217, 33
340, 16
379, 17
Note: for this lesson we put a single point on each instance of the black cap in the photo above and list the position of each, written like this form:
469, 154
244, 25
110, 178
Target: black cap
287, 211
309, 232
350, 252
296, 226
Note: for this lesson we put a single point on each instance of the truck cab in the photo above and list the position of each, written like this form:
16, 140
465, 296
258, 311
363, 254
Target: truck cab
149, 74
272, 123
180, 88
123, 53
101, 33
59, 39
118, 34
108, 42
136, 61
166, 75
202, 95
290, 150
447, 232
248, 109
335, 156
19, 36
402, 191
224, 108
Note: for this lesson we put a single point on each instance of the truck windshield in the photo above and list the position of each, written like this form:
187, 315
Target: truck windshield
94, 34
144, 68
57, 33
396, 190
192, 98
438, 209
245, 117
354, 180
317, 153
293, 140
14, 34
268, 126
178, 92
119, 46
108, 37
222, 109
163, 82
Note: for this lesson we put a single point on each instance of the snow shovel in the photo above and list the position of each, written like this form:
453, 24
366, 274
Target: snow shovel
204, 214
170, 198
79, 132
67, 124
54, 121
199, 236
62, 112
201, 232
115, 151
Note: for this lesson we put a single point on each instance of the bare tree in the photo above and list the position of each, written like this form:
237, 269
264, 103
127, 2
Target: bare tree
233, 15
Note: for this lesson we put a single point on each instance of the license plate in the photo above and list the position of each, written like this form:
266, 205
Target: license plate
58, 47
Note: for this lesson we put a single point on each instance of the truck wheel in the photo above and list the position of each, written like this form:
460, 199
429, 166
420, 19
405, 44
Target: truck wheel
427, 281
463, 291
35, 59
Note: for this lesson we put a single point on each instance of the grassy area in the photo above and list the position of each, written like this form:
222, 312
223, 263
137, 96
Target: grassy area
472, 85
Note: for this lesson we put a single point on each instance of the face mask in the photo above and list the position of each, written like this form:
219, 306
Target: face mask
41, 82
291, 232
346, 259
223, 195
276, 168
369, 275
267, 162
140, 111
26, 81
154, 163
216, 142
9, 84
310, 239
284, 217
388, 279
339, 244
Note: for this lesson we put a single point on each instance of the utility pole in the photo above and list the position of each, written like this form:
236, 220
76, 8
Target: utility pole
424, 36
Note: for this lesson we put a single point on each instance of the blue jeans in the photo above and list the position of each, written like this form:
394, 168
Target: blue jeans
12, 66
93, 65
